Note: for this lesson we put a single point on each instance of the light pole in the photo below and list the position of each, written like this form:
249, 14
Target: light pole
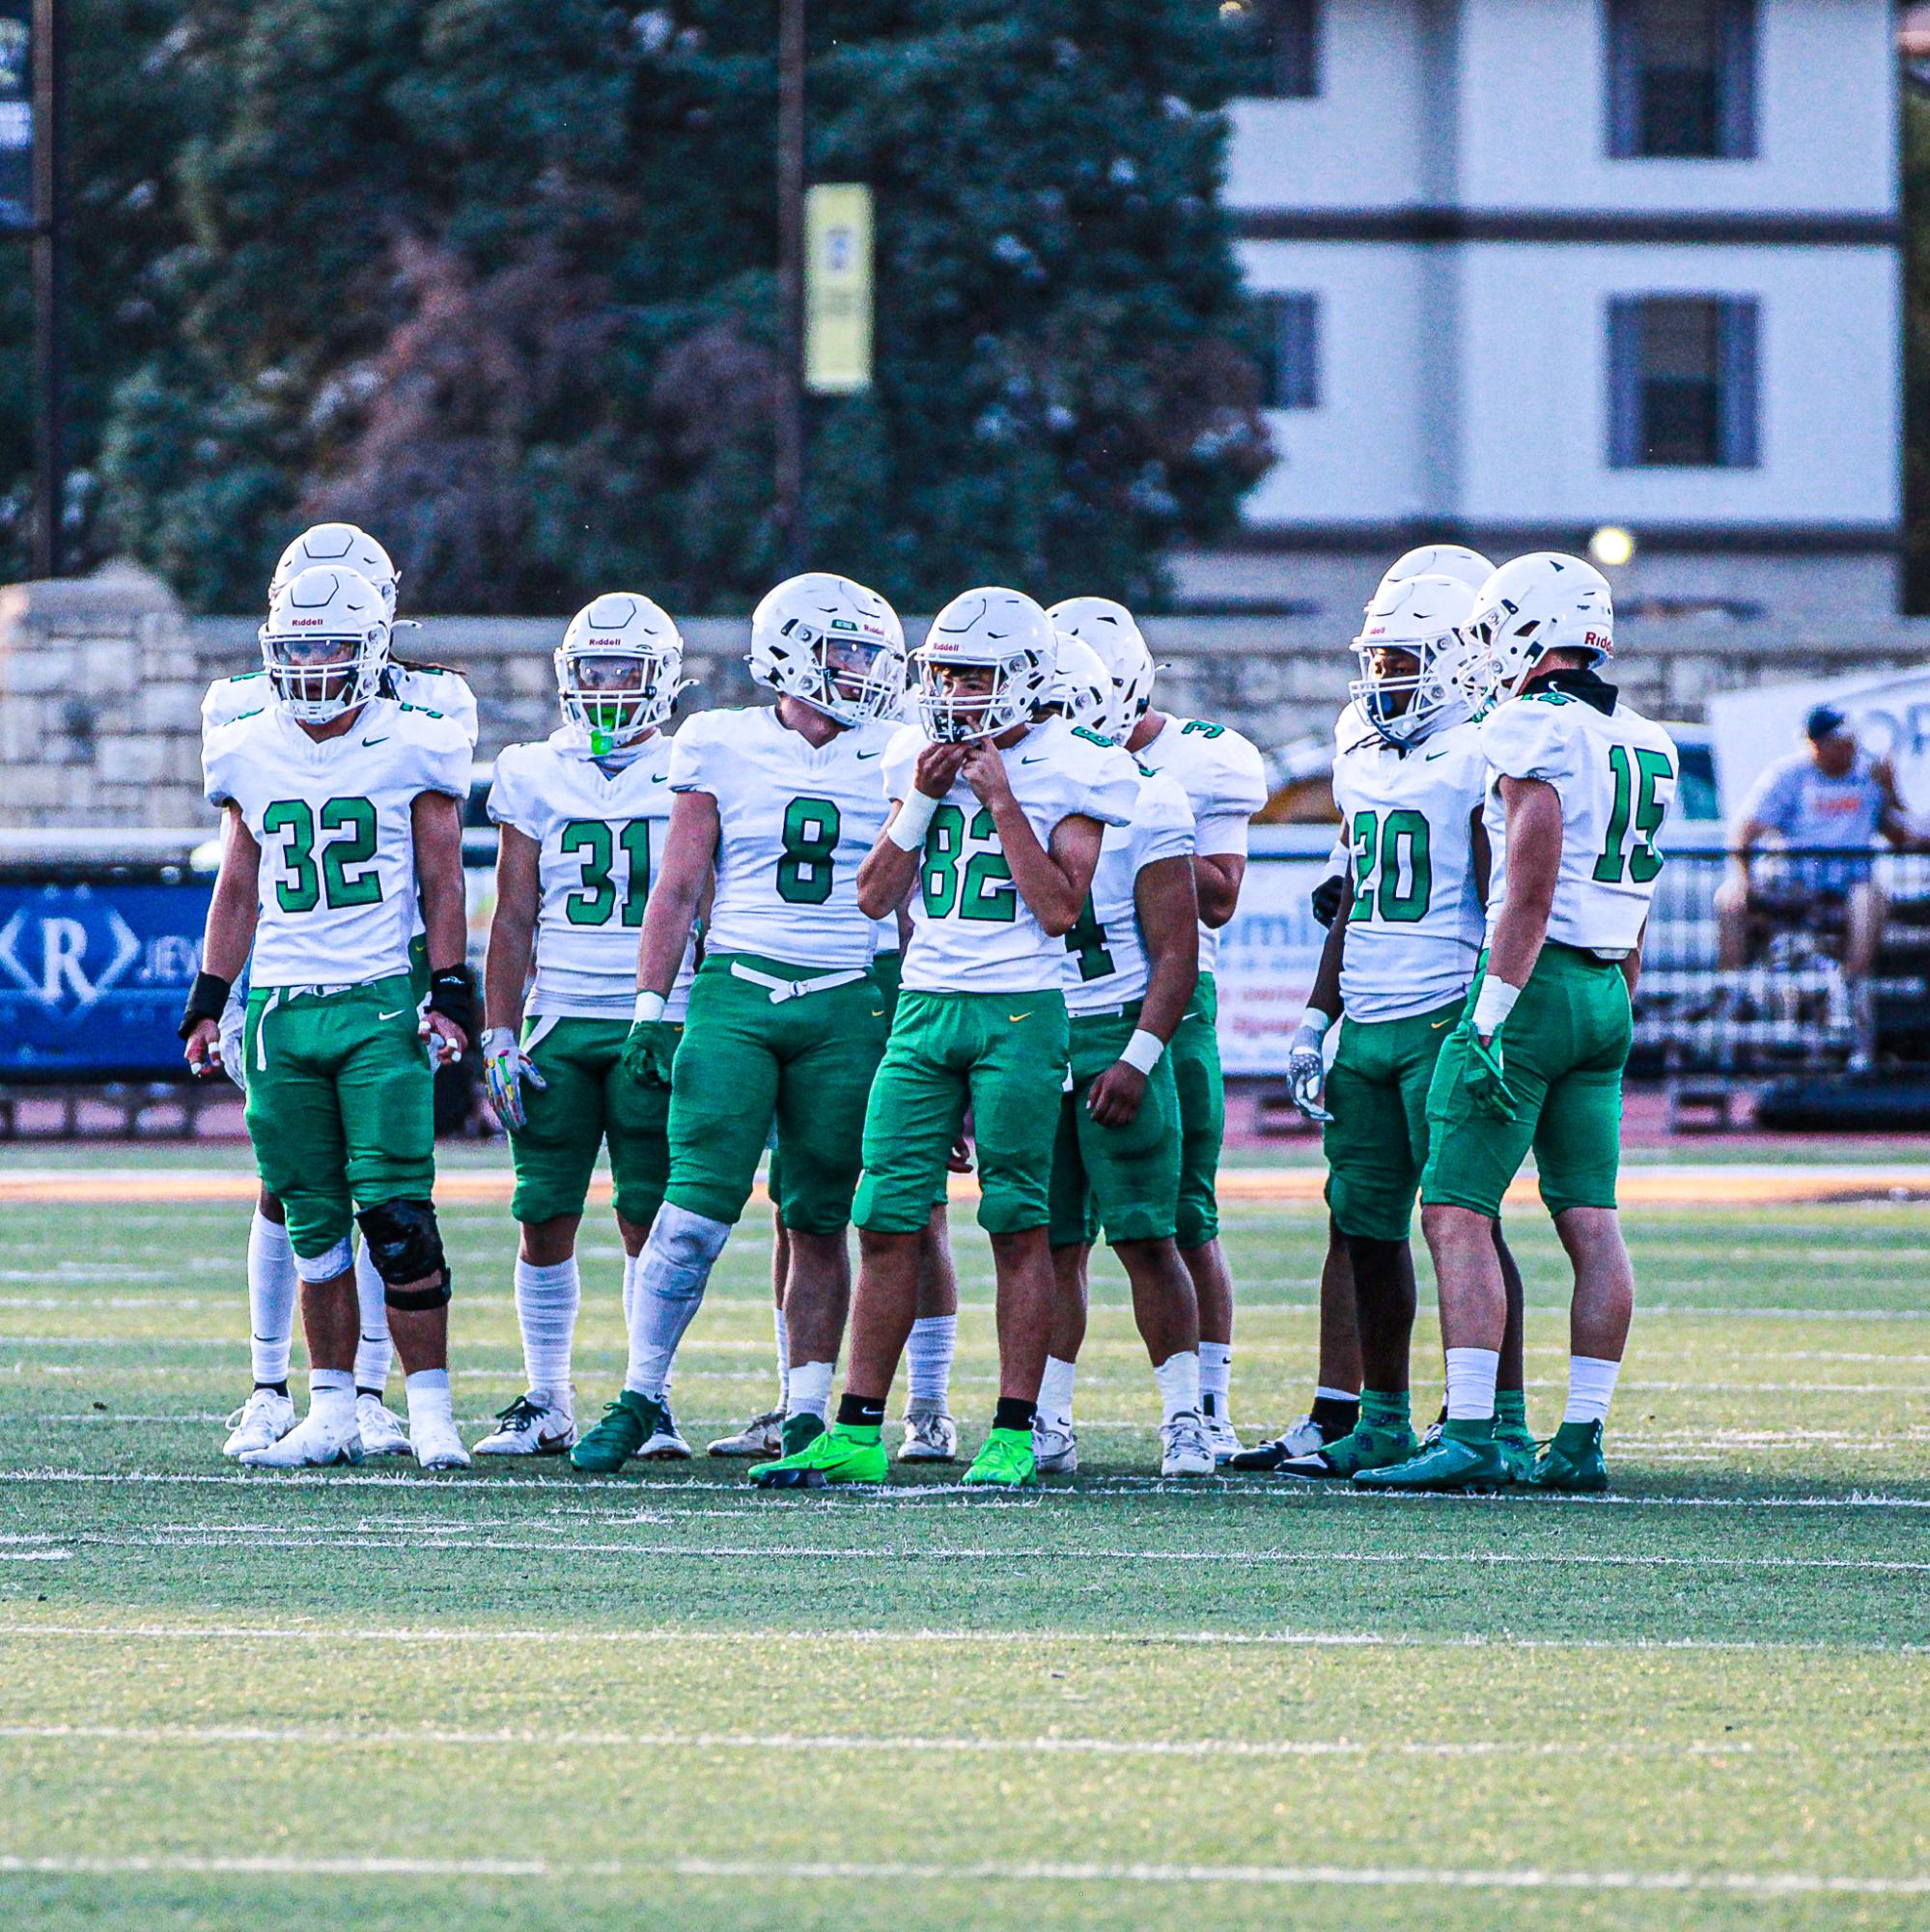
790, 467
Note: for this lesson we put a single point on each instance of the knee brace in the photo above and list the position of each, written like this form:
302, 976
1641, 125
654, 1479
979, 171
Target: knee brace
406, 1245
328, 1264
682, 1250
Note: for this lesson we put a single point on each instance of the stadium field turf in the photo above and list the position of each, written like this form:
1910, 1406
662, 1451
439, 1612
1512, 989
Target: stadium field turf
522, 1696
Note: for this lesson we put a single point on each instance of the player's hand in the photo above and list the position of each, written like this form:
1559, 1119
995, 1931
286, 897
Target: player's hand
1114, 1099
446, 1041
937, 768
204, 1049
959, 1160
648, 1052
1484, 1076
1306, 1076
985, 772
505, 1067
1325, 900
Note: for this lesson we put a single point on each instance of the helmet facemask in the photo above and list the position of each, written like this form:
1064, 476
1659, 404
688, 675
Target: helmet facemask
616, 697
1407, 700
962, 699
317, 677
851, 679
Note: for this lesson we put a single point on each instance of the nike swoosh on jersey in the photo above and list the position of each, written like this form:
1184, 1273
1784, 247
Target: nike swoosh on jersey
659, 777
1435, 1025
1432, 756
1040, 760
396, 1015
863, 755
383, 740
1015, 1018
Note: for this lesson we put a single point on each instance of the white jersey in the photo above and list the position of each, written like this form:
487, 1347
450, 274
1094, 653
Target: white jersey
1616, 773
337, 880
1225, 785
794, 821
432, 686
601, 839
1415, 921
1106, 964
971, 930
884, 936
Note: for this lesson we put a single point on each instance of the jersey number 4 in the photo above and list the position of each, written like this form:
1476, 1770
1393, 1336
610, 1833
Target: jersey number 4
1396, 845
302, 886
1634, 782
593, 843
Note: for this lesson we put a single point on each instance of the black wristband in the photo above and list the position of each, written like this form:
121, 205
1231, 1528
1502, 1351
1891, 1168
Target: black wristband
207, 999
451, 992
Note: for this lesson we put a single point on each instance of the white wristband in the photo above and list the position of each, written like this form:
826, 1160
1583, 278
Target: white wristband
1492, 1005
907, 830
1313, 1021
649, 1007
1143, 1050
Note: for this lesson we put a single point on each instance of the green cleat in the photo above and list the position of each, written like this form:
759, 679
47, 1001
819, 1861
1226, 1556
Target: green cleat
801, 1430
1519, 1450
1005, 1461
1573, 1461
841, 1454
628, 1424
1460, 1464
1366, 1446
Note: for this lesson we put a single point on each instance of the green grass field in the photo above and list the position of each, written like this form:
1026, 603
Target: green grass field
537, 1700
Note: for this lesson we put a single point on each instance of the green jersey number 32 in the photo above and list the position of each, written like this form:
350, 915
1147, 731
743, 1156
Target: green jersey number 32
304, 885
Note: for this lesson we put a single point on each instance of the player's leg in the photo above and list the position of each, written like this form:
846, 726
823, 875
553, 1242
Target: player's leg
382, 1429
273, 1285
912, 1115
764, 1433
931, 1433
1195, 1054
1512, 1434
1072, 1229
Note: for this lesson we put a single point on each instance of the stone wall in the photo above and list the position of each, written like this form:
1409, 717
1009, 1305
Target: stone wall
101, 684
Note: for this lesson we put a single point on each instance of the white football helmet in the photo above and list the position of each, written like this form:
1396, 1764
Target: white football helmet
832, 644
1541, 603
1422, 617
999, 631
1109, 629
1439, 560
339, 546
1082, 688
326, 644
619, 670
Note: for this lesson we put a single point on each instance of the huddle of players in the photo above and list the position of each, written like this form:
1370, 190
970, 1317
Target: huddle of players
1059, 898
1498, 804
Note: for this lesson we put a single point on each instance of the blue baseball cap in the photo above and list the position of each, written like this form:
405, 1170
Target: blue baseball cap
1822, 721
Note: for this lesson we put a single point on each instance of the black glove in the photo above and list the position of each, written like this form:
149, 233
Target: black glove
451, 992
207, 999
1326, 899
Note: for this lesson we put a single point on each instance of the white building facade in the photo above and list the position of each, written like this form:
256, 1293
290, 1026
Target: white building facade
1530, 267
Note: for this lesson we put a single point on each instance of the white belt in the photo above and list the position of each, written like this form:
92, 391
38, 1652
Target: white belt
781, 989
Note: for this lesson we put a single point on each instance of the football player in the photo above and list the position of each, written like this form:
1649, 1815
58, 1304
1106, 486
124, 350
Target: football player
997, 821
340, 809
1131, 961
582, 814
268, 1414
1221, 775
1409, 779
785, 1023
1578, 784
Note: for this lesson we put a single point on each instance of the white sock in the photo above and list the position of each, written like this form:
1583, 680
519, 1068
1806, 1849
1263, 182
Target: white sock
331, 1396
671, 1274
1177, 1380
1591, 1381
428, 1392
1215, 1376
1055, 1391
272, 1286
809, 1387
783, 1333
935, 1340
373, 1350
545, 1311
1322, 1393
1470, 1384
630, 1287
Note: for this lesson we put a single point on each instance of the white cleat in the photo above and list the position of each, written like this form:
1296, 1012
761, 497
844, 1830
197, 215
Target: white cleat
931, 1436
313, 1444
383, 1433
762, 1435
260, 1423
437, 1446
1054, 1448
1184, 1448
667, 1445
530, 1426
1304, 1437
1220, 1435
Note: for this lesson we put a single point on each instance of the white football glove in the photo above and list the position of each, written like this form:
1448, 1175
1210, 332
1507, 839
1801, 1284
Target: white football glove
1307, 1074
505, 1067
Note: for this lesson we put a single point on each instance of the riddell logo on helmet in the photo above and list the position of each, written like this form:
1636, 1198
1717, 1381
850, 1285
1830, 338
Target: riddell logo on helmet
299, 622
1599, 640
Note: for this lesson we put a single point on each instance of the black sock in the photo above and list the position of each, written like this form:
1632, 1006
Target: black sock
1014, 1412
1334, 1418
861, 1411
376, 1393
274, 1387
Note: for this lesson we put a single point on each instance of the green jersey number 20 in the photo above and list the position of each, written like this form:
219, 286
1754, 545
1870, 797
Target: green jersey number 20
1396, 845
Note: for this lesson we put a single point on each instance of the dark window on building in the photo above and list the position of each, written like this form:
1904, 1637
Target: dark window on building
1289, 351
1277, 47
1682, 382
1682, 79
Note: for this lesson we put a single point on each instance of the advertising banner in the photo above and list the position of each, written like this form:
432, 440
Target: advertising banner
93, 978
1269, 953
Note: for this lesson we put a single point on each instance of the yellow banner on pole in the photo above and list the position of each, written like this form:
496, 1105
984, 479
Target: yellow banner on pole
837, 288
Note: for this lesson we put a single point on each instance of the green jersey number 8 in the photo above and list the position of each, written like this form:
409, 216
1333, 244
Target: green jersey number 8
811, 829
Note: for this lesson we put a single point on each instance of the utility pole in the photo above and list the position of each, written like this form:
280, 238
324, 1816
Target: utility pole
49, 289
790, 477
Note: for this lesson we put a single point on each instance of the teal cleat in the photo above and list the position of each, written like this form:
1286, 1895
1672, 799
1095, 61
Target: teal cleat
1465, 1462
1519, 1450
628, 1424
1573, 1461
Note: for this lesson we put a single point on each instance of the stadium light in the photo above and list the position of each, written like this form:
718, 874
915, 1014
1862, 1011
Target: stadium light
1611, 547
